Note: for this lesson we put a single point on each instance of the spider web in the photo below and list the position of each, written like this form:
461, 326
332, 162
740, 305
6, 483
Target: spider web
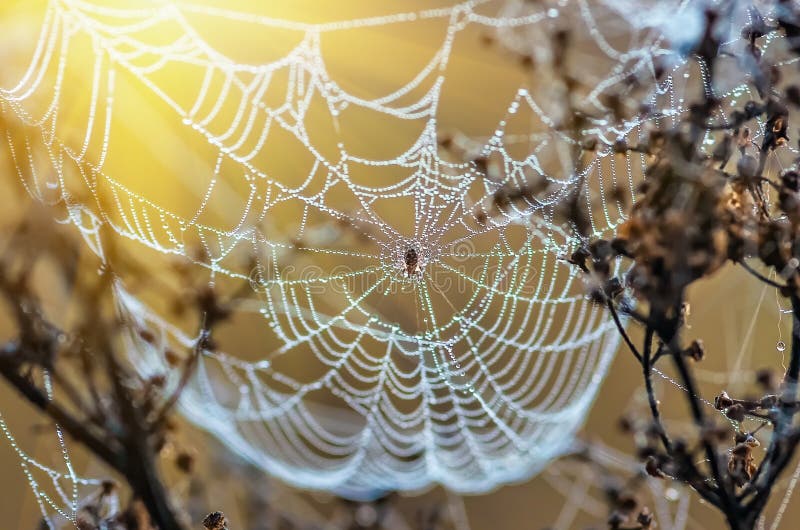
473, 369
58, 489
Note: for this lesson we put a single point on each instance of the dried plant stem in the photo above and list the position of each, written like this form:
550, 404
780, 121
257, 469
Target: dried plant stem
647, 372
129, 455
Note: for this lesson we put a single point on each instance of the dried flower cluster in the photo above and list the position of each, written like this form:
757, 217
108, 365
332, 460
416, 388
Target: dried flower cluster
695, 213
698, 209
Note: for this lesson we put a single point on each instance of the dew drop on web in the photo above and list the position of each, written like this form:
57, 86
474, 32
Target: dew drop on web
671, 494
781, 346
468, 442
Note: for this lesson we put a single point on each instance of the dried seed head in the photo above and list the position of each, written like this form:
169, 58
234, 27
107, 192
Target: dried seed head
741, 465
735, 412
215, 521
579, 257
652, 467
696, 350
645, 518
722, 401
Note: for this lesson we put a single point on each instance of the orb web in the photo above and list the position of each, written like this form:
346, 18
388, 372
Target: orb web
293, 178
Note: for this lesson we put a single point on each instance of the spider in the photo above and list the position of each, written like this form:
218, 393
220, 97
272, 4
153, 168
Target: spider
412, 263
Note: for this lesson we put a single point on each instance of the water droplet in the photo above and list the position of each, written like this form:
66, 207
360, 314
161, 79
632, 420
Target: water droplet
671, 494
781, 346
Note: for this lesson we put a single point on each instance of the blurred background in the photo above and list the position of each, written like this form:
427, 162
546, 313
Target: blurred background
151, 151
